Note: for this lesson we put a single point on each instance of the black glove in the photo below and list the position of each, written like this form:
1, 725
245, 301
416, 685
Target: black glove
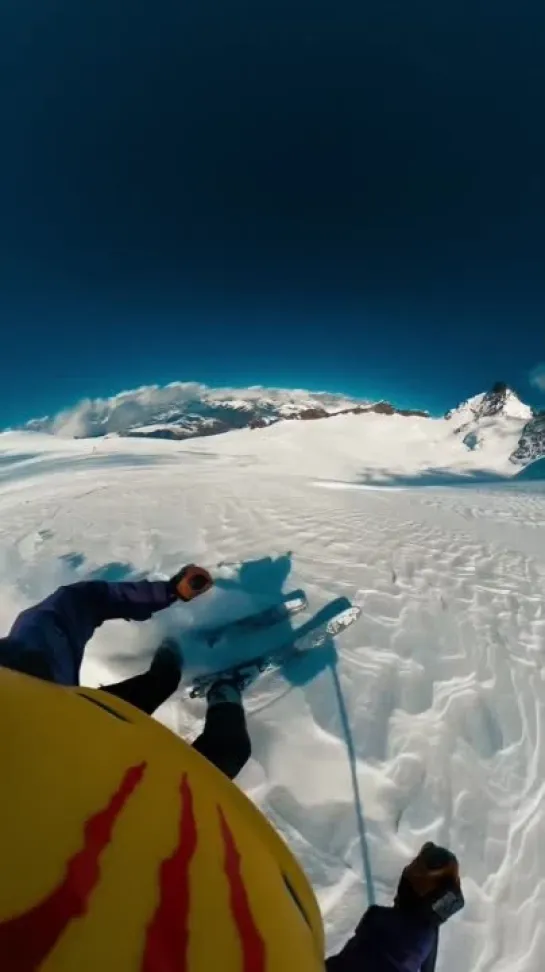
430, 885
191, 581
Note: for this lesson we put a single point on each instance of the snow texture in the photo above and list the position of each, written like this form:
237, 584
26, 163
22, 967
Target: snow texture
432, 704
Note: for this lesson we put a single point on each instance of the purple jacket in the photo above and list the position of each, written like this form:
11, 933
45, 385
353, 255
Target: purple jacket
388, 940
49, 638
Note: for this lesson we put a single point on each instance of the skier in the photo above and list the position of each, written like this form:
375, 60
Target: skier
49, 639
405, 938
122, 846
119, 841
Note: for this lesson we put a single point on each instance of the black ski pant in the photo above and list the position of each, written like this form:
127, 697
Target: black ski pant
224, 740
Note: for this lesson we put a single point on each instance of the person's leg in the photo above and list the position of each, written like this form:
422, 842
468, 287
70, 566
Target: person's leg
224, 740
150, 689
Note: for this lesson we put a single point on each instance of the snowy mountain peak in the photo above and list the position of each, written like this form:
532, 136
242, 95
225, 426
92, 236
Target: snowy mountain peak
496, 416
499, 401
185, 410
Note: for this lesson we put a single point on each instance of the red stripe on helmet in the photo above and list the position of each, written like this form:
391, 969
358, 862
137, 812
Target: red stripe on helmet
26, 940
167, 938
253, 946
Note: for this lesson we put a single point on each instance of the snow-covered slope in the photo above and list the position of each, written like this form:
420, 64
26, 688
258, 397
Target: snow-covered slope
443, 678
494, 415
501, 400
370, 448
496, 424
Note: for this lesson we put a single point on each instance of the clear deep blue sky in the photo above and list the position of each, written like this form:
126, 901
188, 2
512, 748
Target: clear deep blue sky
346, 195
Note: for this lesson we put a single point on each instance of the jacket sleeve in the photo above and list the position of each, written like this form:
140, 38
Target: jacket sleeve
356, 953
60, 626
431, 961
386, 941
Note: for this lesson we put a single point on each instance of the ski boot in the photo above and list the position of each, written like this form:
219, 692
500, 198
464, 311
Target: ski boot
229, 688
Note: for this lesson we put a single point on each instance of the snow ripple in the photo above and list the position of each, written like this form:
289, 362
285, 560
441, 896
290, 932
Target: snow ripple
443, 678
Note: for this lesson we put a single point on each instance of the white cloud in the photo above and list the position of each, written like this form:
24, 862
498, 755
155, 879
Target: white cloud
537, 376
153, 403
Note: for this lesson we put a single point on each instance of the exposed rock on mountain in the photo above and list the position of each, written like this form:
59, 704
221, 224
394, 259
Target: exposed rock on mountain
532, 442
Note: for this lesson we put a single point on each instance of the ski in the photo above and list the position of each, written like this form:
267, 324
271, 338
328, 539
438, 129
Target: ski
314, 634
293, 604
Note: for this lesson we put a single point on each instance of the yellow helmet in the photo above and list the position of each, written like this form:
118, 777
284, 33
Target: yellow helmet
124, 850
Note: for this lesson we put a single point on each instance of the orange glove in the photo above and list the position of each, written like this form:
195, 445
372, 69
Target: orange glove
191, 581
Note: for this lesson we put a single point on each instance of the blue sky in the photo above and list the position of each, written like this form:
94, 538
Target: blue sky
336, 196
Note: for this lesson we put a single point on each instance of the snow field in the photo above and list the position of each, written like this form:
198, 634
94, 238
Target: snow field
442, 679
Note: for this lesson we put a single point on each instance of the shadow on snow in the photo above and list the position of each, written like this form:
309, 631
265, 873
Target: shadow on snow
267, 577
433, 477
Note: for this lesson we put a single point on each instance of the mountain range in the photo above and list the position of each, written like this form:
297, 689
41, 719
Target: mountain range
182, 411
501, 405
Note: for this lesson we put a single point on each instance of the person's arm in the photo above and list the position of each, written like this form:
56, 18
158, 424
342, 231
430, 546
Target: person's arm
57, 630
431, 961
355, 954
385, 941
78, 609
406, 937
59, 627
